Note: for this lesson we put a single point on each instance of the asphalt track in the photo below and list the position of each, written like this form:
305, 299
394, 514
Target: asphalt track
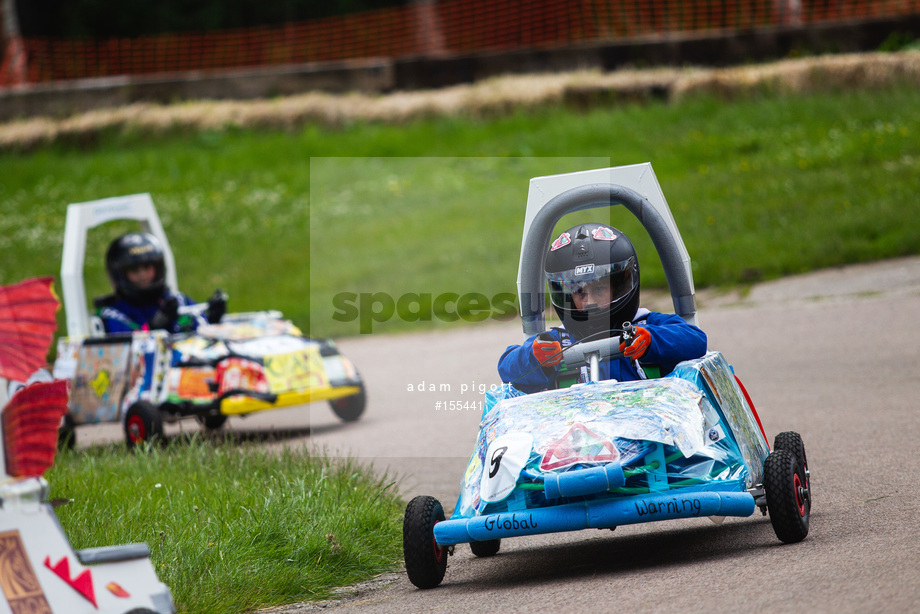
832, 355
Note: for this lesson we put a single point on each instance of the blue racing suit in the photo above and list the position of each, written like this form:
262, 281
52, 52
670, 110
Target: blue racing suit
121, 316
673, 340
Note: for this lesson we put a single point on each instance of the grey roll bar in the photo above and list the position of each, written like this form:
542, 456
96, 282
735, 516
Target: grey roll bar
591, 196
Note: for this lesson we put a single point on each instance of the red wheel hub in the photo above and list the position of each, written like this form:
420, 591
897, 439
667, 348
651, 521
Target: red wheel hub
799, 494
438, 550
136, 429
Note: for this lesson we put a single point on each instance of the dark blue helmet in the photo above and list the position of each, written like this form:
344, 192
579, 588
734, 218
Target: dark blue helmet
131, 250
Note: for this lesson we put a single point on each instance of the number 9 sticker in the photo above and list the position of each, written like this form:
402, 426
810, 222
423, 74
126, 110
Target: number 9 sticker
505, 458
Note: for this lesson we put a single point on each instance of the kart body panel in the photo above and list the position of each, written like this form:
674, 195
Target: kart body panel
599, 455
50, 576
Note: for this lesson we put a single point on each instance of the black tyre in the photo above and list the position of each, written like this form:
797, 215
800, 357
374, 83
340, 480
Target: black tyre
426, 561
486, 548
211, 422
788, 497
67, 434
349, 409
143, 422
792, 441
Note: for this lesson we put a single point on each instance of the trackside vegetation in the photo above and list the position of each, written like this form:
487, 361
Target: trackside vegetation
231, 527
761, 187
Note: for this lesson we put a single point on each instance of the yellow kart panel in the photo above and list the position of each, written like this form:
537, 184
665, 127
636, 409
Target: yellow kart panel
294, 371
236, 406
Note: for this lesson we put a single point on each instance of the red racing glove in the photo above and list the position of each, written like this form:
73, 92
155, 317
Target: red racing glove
639, 344
547, 350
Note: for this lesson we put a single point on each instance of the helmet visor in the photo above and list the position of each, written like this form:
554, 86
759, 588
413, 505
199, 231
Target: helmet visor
592, 284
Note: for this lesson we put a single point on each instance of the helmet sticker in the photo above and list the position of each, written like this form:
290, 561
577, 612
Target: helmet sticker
137, 250
602, 233
563, 240
584, 269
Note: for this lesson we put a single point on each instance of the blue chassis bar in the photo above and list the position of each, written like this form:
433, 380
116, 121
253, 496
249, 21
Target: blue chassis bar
603, 514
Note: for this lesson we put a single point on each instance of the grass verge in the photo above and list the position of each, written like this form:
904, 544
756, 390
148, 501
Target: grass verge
765, 186
233, 528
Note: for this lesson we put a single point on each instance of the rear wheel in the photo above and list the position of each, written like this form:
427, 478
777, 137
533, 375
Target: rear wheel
486, 548
426, 561
143, 422
211, 422
788, 496
349, 409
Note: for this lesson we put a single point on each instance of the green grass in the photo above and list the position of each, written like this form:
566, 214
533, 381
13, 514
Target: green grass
233, 528
760, 188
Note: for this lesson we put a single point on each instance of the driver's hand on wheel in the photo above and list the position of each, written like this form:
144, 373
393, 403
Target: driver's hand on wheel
166, 314
217, 306
547, 350
639, 344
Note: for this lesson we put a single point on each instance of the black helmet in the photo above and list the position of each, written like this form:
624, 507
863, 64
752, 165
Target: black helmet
590, 253
131, 250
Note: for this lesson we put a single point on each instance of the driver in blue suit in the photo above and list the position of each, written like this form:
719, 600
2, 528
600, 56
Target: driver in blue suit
142, 301
593, 276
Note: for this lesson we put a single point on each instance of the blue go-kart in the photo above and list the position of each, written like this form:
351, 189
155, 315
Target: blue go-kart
603, 453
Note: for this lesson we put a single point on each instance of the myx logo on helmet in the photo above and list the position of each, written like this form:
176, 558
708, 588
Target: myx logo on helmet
584, 269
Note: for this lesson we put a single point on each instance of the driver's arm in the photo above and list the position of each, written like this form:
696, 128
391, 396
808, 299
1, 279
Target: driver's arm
672, 340
116, 321
519, 366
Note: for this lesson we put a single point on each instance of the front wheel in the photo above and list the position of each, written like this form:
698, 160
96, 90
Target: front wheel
487, 548
143, 422
788, 496
426, 561
349, 409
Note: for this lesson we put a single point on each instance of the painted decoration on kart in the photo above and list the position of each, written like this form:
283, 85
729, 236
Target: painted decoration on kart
100, 381
241, 374
299, 370
261, 325
579, 446
20, 585
277, 364
288, 363
193, 383
665, 410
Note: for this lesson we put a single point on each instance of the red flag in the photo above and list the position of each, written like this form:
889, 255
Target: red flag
30, 427
27, 325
